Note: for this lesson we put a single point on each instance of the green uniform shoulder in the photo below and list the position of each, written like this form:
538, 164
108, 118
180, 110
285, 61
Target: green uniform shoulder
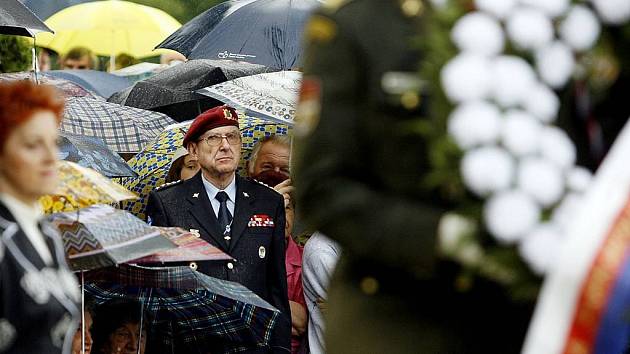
169, 185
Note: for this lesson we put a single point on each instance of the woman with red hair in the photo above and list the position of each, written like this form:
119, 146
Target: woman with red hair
38, 293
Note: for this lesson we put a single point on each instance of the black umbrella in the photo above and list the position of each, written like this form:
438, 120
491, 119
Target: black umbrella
46, 8
93, 153
16, 19
172, 91
267, 32
102, 83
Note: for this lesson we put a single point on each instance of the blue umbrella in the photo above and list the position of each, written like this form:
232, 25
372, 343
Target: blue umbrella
46, 8
92, 152
267, 32
102, 83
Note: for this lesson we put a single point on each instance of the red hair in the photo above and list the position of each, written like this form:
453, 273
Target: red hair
19, 100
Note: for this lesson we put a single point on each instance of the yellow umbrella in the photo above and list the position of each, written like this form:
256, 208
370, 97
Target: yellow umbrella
80, 187
109, 28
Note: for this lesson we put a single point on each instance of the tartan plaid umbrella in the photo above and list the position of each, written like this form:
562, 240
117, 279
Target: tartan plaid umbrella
68, 88
80, 187
123, 129
190, 311
93, 153
101, 236
270, 96
153, 163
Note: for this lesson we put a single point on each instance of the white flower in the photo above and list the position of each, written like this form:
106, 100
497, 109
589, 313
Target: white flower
498, 8
613, 12
553, 8
580, 29
541, 179
556, 146
452, 229
486, 170
540, 248
542, 103
512, 80
510, 215
466, 77
520, 133
555, 64
578, 179
478, 33
564, 214
529, 28
474, 123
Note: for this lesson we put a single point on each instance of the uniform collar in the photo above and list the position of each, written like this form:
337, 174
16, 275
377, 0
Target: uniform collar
212, 190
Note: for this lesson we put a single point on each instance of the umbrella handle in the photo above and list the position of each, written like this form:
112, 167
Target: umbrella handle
82, 313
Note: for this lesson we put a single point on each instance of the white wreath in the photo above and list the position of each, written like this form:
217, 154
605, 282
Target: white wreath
505, 106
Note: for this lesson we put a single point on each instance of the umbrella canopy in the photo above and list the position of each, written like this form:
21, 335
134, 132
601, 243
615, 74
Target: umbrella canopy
190, 247
101, 236
153, 163
172, 91
93, 153
109, 27
104, 84
44, 9
68, 88
80, 187
188, 309
270, 96
267, 32
16, 19
123, 129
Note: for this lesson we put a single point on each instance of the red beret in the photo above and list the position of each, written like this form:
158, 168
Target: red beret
213, 118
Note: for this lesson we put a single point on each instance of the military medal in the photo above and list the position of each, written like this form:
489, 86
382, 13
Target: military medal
262, 252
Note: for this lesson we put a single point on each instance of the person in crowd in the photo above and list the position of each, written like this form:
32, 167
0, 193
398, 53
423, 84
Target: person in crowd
124, 60
172, 58
120, 328
241, 217
183, 167
269, 163
45, 58
78, 58
318, 263
38, 293
84, 335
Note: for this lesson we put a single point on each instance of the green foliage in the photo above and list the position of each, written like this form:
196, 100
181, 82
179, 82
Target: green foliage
15, 54
182, 10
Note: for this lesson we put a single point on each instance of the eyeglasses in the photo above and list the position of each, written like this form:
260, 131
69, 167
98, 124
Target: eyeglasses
216, 139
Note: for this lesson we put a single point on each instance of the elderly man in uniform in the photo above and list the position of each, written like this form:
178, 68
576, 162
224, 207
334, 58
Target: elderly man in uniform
241, 217
358, 170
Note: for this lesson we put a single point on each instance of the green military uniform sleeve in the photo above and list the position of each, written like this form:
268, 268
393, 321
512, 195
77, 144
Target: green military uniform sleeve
356, 170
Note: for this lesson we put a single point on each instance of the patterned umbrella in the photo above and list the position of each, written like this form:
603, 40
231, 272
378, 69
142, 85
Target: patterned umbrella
123, 129
189, 310
101, 236
93, 153
80, 187
153, 163
270, 96
68, 88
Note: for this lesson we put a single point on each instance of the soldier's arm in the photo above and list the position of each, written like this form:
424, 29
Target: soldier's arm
156, 213
330, 164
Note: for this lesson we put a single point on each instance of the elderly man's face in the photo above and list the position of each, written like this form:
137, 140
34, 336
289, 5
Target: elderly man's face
274, 157
221, 159
82, 63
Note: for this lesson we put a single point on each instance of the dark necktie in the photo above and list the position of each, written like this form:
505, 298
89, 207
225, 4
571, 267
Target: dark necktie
225, 218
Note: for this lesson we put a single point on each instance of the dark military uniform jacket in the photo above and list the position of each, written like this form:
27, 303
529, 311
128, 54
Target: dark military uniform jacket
358, 169
258, 247
37, 302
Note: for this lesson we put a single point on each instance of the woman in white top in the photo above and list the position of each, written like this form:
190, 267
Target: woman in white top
37, 291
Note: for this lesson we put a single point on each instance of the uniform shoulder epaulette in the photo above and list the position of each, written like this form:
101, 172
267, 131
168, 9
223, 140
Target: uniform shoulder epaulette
169, 184
332, 6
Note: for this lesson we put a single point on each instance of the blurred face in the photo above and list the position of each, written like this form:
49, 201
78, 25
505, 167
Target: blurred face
76, 340
190, 167
124, 340
28, 158
272, 156
82, 63
217, 161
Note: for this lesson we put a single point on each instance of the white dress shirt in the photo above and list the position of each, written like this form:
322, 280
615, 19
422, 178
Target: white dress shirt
212, 191
28, 216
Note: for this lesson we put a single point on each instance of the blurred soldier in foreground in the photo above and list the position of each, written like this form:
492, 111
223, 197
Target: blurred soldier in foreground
358, 168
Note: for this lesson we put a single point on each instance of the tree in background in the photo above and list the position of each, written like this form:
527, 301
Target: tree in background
15, 54
182, 10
